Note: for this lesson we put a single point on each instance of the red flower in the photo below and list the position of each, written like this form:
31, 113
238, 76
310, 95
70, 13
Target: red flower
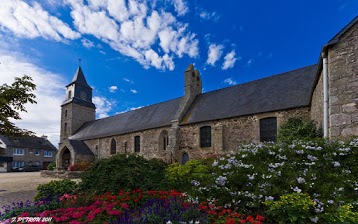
260, 218
249, 218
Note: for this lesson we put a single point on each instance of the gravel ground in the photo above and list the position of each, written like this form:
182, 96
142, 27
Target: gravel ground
18, 186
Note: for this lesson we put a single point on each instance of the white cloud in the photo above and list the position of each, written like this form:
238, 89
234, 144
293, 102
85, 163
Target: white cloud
214, 53
230, 60
212, 16
180, 7
230, 81
113, 89
134, 91
28, 21
129, 109
128, 80
43, 117
87, 43
103, 106
134, 29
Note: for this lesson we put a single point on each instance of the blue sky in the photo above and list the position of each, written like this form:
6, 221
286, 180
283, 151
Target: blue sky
134, 53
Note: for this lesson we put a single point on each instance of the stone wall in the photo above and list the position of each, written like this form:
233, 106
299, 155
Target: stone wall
317, 103
343, 85
228, 134
149, 144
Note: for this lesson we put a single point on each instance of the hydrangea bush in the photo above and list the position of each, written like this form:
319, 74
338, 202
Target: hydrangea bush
325, 170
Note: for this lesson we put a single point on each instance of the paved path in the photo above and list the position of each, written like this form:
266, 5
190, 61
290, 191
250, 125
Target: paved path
17, 187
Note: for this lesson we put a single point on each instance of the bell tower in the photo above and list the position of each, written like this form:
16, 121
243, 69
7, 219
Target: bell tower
77, 108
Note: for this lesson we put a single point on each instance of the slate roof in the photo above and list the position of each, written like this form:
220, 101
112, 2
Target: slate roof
154, 116
79, 78
336, 38
280, 92
28, 142
80, 147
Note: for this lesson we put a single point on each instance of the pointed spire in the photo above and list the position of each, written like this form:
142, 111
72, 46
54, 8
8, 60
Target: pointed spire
79, 78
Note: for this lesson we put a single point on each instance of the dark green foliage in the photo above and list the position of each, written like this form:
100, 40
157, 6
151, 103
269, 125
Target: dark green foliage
12, 100
51, 166
125, 172
298, 128
55, 189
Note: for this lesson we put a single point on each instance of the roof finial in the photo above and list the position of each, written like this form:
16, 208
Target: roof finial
79, 61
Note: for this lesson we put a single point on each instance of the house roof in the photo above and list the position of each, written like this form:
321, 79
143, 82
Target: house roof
80, 147
79, 78
280, 92
287, 90
154, 116
336, 38
32, 142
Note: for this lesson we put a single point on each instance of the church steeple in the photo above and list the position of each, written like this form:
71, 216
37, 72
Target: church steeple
77, 108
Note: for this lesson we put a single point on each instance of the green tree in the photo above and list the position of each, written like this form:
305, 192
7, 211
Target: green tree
12, 101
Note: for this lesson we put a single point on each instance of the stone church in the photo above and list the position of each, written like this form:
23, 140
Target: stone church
201, 124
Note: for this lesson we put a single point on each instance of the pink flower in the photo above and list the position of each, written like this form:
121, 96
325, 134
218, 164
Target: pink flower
114, 212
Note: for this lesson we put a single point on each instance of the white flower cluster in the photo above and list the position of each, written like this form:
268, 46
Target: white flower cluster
221, 180
336, 164
296, 189
195, 183
312, 158
300, 152
301, 180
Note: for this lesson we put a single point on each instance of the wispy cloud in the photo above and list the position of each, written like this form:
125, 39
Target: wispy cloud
113, 89
214, 53
103, 106
128, 80
180, 7
230, 60
230, 81
212, 16
134, 91
87, 43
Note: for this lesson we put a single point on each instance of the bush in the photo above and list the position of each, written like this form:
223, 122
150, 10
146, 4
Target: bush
291, 208
181, 177
261, 172
51, 166
55, 189
81, 166
298, 129
125, 172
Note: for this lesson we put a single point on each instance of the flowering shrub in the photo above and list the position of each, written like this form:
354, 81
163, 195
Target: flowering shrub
55, 188
182, 177
292, 208
140, 206
81, 166
257, 173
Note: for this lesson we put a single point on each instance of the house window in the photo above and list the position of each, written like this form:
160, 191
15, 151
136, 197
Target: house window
16, 164
65, 113
47, 153
37, 152
137, 143
205, 136
69, 94
268, 129
113, 146
83, 95
166, 142
184, 158
17, 151
65, 128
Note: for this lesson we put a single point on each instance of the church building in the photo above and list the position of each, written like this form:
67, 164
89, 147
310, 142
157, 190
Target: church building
200, 124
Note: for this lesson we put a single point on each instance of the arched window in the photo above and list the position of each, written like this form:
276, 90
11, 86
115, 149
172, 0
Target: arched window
125, 146
184, 158
65, 113
137, 143
69, 94
205, 136
163, 140
268, 129
113, 146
